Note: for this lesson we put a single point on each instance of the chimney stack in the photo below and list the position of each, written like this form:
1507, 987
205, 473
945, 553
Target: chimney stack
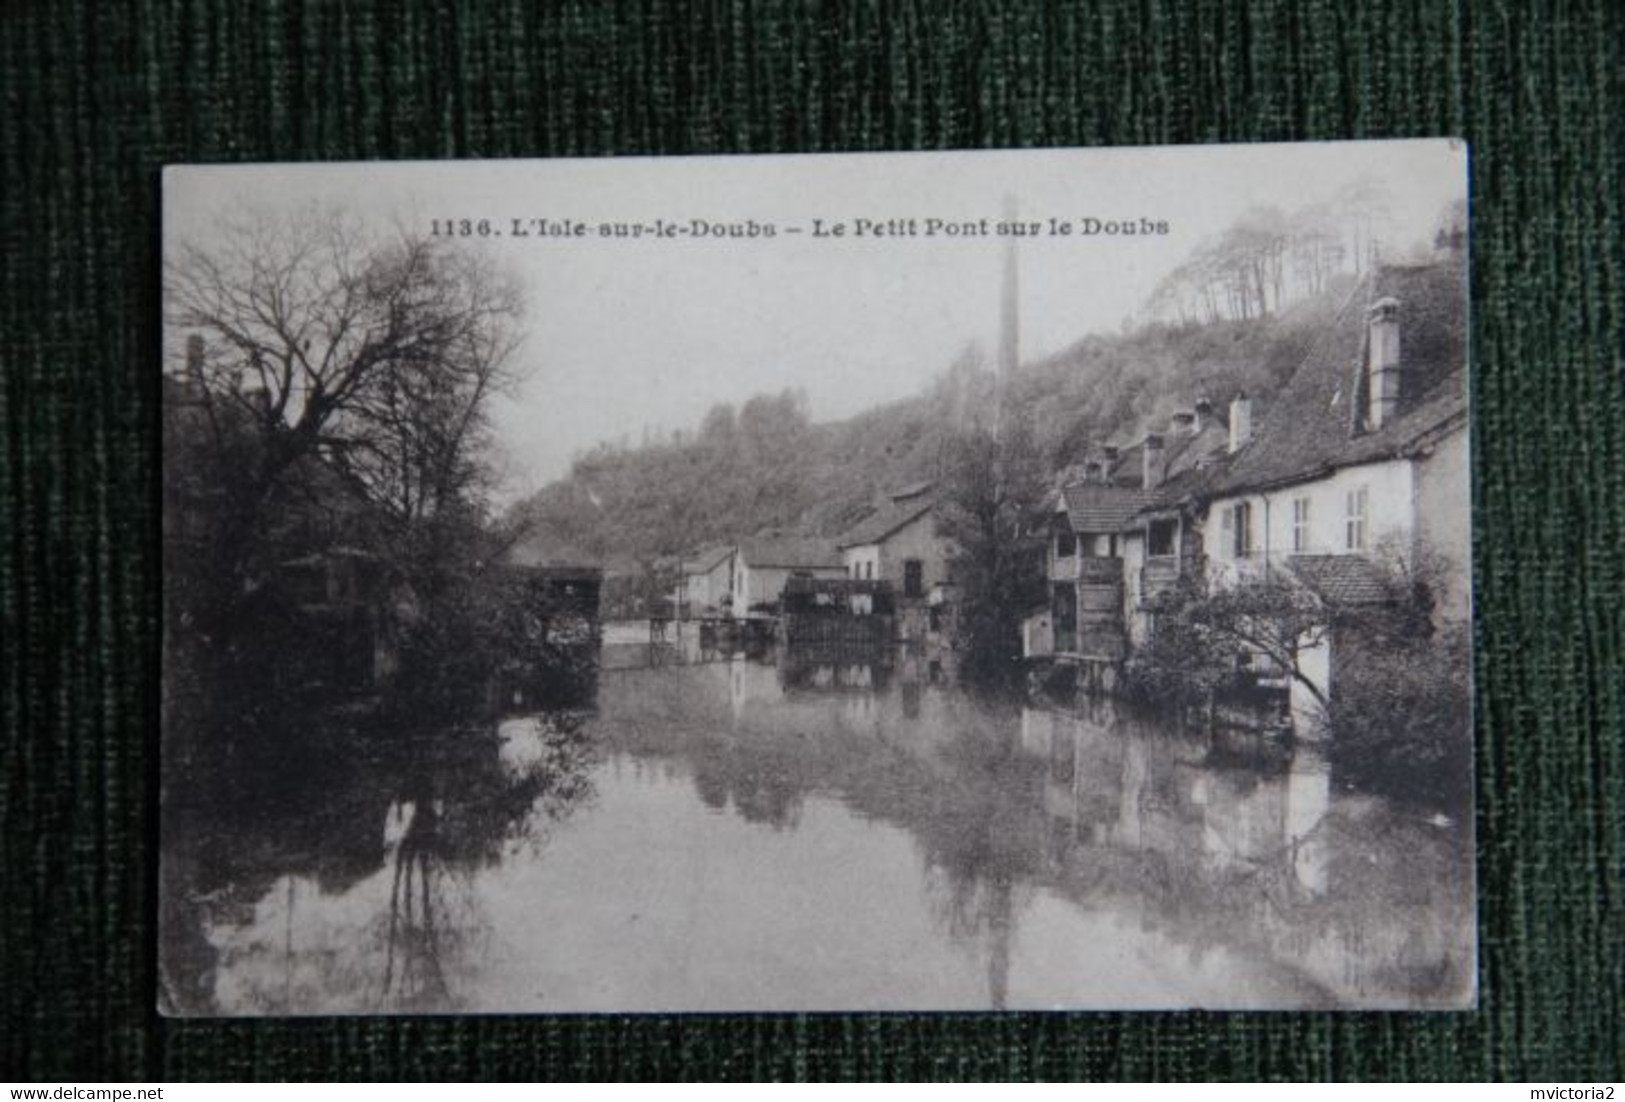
1110, 453
1241, 422
1204, 413
1152, 476
1383, 382
194, 358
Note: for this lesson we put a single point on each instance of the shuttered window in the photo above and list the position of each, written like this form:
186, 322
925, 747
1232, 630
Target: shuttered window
1356, 521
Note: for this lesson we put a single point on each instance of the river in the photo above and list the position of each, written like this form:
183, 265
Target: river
775, 832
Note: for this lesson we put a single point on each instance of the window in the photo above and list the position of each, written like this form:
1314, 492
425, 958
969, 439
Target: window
1237, 522
1355, 519
1066, 545
913, 577
869, 571
1160, 538
1300, 524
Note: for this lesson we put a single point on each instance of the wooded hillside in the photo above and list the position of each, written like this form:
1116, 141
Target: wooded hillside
766, 465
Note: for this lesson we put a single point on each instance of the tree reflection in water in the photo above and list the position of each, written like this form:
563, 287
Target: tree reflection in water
420, 982
922, 847
292, 870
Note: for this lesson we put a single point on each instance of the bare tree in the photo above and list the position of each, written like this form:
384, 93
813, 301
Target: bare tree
379, 356
1270, 617
336, 371
1265, 258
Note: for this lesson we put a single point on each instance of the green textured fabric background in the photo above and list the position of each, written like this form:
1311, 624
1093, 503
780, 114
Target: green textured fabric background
98, 96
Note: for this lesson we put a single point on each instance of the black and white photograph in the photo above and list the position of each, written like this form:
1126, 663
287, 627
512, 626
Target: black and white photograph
1029, 580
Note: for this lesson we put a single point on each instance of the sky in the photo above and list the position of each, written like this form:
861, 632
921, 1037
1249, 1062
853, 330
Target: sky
623, 335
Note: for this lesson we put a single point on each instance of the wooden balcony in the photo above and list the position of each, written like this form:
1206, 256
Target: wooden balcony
1088, 569
1103, 641
1099, 570
1163, 573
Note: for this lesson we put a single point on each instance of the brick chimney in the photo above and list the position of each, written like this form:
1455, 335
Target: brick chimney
1241, 422
1384, 371
1153, 468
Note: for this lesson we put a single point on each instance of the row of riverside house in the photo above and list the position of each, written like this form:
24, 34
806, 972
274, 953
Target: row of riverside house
1358, 468
893, 562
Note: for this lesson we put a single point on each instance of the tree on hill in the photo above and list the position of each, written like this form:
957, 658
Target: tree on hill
1268, 258
727, 482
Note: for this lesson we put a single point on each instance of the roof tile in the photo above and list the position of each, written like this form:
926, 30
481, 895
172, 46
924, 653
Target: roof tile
1315, 423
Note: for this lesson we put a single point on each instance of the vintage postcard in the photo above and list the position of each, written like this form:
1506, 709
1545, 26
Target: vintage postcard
930, 581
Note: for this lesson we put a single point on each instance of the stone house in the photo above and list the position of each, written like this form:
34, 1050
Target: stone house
899, 545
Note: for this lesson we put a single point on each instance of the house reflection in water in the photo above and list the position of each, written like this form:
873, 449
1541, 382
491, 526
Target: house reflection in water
1109, 783
817, 831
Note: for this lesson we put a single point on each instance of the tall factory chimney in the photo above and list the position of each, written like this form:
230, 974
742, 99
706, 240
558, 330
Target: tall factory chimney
1009, 320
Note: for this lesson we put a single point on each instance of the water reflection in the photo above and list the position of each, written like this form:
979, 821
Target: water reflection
821, 831
346, 881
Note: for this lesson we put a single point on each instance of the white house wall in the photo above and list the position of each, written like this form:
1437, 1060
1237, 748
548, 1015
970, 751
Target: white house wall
705, 590
1132, 545
759, 585
1315, 664
862, 561
1444, 520
1390, 523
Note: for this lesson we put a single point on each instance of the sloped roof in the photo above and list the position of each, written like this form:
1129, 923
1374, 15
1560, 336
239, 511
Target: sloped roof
884, 521
1126, 470
1188, 485
1124, 473
1195, 462
1340, 579
1129, 469
1099, 507
707, 559
913, 489
1316, 423
793, 552
1187, 451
